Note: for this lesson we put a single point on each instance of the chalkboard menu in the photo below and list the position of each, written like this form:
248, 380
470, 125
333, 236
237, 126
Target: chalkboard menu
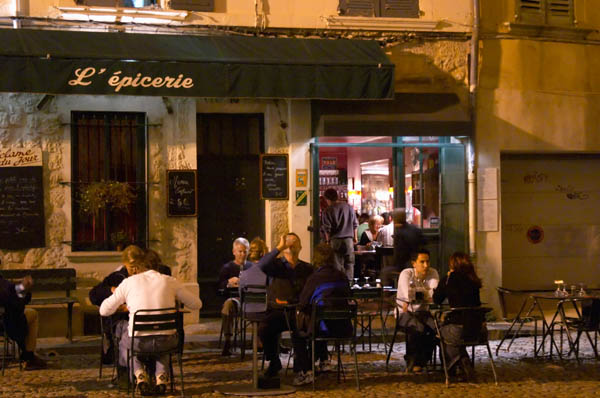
21, 208
181, 193
274, 176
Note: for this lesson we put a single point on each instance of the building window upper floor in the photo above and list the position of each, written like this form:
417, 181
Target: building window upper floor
380, 8
187, 5
546, 12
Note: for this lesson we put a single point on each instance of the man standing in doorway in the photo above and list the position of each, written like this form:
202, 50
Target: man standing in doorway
339, 225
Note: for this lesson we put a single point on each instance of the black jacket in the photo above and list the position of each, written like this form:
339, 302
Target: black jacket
102, 291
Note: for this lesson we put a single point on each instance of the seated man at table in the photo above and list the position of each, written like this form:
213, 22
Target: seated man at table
229, 277
326, 282
415, 292
20, 323
288, 275
148, 290
104, 289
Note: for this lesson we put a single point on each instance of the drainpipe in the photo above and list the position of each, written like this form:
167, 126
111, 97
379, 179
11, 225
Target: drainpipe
471, 170
17, 17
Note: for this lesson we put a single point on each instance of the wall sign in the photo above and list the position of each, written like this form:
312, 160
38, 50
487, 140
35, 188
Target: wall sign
21, 199
274, 176
301, 198
182, 200
301, 178
535, 234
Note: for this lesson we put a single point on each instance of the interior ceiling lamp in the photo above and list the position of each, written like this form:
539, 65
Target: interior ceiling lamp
125, 15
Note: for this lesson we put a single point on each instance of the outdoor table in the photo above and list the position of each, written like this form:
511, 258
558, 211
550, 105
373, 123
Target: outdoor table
558, 319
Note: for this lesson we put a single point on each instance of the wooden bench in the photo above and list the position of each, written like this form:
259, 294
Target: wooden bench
49, 280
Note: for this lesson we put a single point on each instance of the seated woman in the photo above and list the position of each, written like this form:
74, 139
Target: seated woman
375, 223
461, 288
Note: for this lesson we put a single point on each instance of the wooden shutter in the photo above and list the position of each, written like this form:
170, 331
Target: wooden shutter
366, 8
192, 5
531, 11
559, 12
400, 8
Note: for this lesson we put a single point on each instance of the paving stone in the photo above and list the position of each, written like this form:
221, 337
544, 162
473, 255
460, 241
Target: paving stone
520, 376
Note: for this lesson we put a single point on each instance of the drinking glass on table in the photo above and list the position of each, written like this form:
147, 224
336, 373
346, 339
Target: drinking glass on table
366, 285
356, 286
558, 291
582, 291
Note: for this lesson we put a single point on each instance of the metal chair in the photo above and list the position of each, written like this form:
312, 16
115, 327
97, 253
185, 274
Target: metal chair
587, 321
166, 321
333, 314
518, 320
370, 306
104, 342
10, 351
253, 305
472, 320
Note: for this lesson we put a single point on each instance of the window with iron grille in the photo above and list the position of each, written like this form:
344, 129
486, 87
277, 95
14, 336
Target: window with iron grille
108, 146
550, 12
379, 8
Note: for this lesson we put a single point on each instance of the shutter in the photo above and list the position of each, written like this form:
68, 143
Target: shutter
400, 8
365, 8
192, 5
531, 11
560, 12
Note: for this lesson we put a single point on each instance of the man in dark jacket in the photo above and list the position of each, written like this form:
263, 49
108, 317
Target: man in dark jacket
105, 289
287, 276
407, 239
20, 323
326, 282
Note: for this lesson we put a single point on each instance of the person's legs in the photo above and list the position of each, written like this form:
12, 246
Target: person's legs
228, 314
348, 245
268, 332
338, 253
32, 325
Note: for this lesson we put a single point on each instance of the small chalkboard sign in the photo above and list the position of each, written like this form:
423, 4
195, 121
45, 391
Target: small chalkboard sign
21, 208
274, 176
182, 200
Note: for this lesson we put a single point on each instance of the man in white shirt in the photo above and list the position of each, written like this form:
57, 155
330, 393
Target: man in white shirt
148, 290
415, 292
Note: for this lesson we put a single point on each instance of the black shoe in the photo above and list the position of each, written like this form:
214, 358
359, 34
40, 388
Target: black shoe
273, 369
35, 363
108, 357
226, 347
467, 368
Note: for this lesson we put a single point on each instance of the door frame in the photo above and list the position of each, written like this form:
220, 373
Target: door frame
397, 146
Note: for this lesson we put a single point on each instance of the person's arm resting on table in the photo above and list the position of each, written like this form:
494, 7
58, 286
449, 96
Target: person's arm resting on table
112, 304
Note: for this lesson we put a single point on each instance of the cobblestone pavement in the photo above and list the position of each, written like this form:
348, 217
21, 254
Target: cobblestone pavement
520, 375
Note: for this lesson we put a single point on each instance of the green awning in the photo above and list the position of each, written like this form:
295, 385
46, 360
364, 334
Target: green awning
76, 62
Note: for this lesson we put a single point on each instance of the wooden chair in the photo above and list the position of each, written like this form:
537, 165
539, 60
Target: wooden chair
166, 321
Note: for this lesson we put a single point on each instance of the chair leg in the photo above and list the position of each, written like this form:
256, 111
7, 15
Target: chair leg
180, 360
492, 362
356, 367
387, 361
313, 362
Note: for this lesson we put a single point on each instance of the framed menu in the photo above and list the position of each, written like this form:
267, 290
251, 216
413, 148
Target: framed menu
21, 199
274, 176
182, 195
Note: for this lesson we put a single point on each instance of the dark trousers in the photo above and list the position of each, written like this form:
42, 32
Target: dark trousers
15, 324
303, 351
453, 351
269, 330
420, 338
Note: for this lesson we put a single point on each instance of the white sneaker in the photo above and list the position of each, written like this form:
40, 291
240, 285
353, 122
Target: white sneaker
325, 366
303, 378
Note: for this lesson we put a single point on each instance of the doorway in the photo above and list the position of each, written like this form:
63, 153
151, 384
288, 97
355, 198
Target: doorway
229, 148
425, 175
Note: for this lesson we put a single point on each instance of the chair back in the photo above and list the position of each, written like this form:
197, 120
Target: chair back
164, 320
254, 299
472, 320
334, 317
502, 293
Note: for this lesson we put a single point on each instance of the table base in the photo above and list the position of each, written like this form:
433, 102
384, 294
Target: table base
249, 390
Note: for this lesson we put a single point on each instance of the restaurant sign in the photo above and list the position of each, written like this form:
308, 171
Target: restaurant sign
20, 157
